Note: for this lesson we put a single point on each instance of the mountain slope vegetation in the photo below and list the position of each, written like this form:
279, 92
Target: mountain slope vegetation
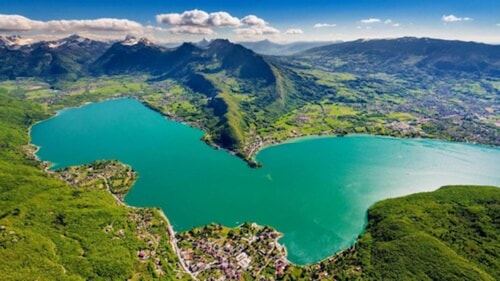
52, 231
65, 59
431, 55
206, 70
404, 87
448, 234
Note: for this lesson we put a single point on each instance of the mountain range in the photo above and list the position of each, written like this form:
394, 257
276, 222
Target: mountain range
267, 47
422, 53
355, 73
66, 58
59, 57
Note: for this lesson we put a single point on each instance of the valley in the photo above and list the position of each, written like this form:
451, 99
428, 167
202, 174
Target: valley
344, 176
245, 101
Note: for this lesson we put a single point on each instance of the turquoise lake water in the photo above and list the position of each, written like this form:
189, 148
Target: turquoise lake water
316, 191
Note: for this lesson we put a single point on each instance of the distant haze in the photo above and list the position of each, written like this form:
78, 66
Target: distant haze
238, 21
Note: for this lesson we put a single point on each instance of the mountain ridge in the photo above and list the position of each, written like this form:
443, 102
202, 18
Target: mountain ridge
268, 47
441, 55
244, 92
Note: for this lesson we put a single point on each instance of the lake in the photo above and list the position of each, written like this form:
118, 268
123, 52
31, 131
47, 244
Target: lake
316, 190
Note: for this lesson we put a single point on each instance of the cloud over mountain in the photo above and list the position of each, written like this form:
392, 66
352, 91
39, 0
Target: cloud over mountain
255, 26
198, 18
256, 30
201, 22
18, 23
191, 29
253, 20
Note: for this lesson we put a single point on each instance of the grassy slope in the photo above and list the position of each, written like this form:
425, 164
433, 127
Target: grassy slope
51, 231
452, 233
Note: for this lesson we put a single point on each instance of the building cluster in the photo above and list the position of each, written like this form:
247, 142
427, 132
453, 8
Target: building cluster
219, 253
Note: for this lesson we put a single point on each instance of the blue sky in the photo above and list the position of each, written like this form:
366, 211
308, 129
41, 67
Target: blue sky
290, 20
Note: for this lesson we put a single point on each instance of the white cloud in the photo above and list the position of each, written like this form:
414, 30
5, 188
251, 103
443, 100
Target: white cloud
17, 23
193, 18
256, 31
190, 29
199, 18
450, 18
320, 25
370, 21
294, 31
255, 27
201, 22
498, 24
104, 24
453, 18
155, 28
222, 19
197, 21
253, 20
393, 24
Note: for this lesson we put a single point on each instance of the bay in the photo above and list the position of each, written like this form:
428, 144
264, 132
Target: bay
314, 190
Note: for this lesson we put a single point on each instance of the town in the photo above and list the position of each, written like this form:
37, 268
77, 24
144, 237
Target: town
249, 251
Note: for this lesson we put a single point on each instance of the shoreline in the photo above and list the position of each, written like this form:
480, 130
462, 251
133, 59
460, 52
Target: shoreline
261, 148
298, 139
54, 114
173, 243
251, 158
